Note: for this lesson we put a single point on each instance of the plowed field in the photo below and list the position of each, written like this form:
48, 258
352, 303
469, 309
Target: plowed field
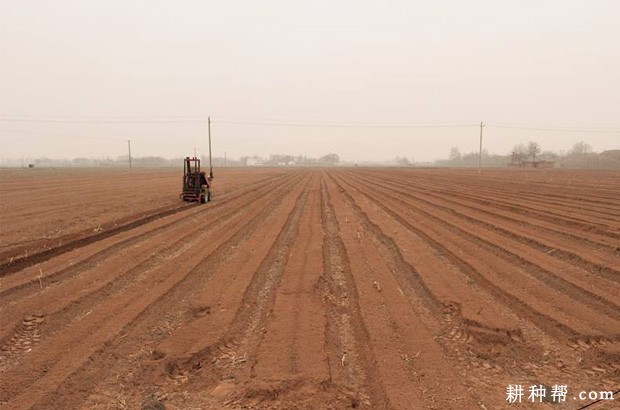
367, 288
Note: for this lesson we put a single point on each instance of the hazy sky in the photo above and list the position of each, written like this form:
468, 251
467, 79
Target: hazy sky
542, 64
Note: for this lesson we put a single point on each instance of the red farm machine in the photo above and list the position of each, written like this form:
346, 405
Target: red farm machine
196, 184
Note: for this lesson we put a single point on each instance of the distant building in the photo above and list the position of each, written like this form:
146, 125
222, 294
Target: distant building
612, 154
254, 162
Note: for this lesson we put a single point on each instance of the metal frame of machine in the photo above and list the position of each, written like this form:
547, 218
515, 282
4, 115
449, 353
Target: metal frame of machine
196, 184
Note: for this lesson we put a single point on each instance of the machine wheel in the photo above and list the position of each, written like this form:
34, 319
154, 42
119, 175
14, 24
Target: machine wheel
203, 199
209, 196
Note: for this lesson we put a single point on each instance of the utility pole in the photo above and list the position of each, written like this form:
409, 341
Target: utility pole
210, 158
129, 148
480, 154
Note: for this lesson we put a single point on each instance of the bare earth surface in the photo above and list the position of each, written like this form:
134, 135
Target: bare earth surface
338, 288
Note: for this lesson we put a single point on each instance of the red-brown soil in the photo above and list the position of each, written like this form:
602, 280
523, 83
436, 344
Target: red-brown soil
361, 288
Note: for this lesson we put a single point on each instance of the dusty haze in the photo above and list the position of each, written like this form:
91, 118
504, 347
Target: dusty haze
109, 71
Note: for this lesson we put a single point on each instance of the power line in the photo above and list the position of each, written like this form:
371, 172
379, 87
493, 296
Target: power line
579, 126
45, 134
99, 138
83, 121
334, 125
420, 125
599, 130
43, 116
329, 122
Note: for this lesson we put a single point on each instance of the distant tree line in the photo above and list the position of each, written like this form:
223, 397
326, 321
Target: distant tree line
280, 160
580, 155
155, 162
